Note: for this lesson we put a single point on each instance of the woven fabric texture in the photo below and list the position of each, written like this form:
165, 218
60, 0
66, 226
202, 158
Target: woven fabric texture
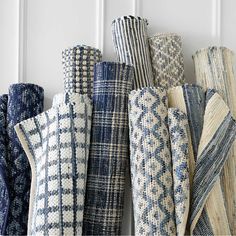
167, 60
207, 213
151, 168
78, 68
109, 152
131, 46
214, 68
57, 145
4, 193
178, 126
24, 101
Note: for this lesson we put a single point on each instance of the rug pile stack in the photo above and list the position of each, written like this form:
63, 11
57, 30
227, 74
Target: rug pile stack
138, 114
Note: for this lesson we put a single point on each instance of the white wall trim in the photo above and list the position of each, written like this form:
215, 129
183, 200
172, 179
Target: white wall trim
100, 18
136, 7
22, 41
216, 21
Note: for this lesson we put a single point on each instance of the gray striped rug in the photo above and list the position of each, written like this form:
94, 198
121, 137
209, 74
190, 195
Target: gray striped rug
130, 41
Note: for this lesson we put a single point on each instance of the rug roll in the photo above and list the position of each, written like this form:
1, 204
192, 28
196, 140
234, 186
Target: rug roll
24, 101
189, 99
78, 68
151, 165
210, 217
57, 145
4, 193
178, 126
130, 41
167, 60
109, 150
218, 134
214, 69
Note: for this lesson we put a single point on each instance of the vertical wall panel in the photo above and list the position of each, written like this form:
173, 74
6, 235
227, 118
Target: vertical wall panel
52, 26
228, 24
9, 21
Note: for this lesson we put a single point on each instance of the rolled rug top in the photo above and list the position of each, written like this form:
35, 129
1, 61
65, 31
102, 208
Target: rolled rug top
109, 150
78, 68
130, 41
167, 60
24, 101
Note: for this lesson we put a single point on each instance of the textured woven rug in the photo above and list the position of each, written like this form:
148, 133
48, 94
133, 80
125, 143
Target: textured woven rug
131, 45
109, 153
57, 145
214, 68
212, 131
167, 60
178, 131
22, 102
78, 68
4, 193
151, 164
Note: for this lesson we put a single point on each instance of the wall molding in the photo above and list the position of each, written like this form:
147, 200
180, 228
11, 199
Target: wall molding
22, 41
100, 18
136, 7
216, 21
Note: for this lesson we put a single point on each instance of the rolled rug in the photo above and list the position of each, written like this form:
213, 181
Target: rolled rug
57, 145
189, 99
4, 193
208, 215
218, 134
151, 164
167, 60
214, 68
130, 41
109, 150
178, 126
78, 68
24, 101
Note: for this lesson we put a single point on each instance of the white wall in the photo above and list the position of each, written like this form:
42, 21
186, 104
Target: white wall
52, 25
9, 20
